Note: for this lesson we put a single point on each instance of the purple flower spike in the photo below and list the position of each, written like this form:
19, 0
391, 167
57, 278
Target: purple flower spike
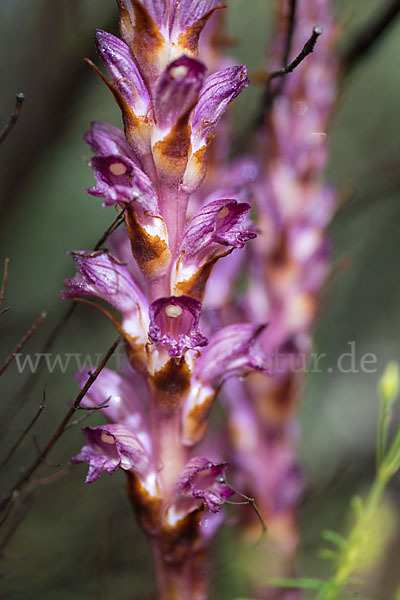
124, 73
177, 90
205, 480
102, 276
174, 324
111, 447
217, 227
119, 180
218, 91
232, 351
107, 140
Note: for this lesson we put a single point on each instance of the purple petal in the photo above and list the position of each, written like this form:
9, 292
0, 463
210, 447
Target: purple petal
101, 276
191, 11
174, 324
219, 223
119, 180
204, 480
123, 71
232, 351
217, 228
218, 91
111, 447
107, 140
177, 90
122, 398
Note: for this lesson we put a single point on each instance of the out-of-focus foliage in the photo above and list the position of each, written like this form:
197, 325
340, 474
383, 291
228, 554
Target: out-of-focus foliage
77, 541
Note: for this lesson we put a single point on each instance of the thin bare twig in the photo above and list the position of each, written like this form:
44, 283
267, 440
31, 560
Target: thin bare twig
5, 279
270, 94
20, 97
23, 341
306, 50
23, 505
21, 438
290, 32
27, 474
367, 37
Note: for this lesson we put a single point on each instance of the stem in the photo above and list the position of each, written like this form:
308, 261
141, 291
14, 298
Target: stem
181, 581
173, 207
169, 452
358, 540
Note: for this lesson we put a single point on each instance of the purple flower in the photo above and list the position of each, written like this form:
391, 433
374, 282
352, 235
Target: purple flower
216, 230
110, 447
177, 91
201, 483
122, 398
123, 71
102, 276
107, 140
205, 480
232, 351
218, 91
119, 180
174, 324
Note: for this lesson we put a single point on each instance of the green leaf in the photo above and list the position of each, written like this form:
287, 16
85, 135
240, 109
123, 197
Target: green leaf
299, 584
335, 538
327, 554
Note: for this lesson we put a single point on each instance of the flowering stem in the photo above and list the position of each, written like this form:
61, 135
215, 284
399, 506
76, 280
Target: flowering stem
178, 581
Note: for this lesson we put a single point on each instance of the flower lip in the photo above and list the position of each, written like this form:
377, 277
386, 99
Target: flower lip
205, 480
174, 324
110, 447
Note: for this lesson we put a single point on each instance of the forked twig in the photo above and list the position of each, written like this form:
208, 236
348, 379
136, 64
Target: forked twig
20, 439
306, 50
249, 500
270, 94
20, 97
23, 341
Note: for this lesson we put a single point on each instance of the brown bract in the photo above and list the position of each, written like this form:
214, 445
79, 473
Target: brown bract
143, 36
151, 252
189, 40
171, 153
171, 383
147, 508
196, 285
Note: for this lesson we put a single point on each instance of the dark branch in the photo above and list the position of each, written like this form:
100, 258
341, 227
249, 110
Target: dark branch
290, 32
27, 474
21, 438
367, 37
14, 116
307, 49
270, 94
23, 341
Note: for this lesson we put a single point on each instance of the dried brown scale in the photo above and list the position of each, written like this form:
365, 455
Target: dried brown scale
171, 384
151, 253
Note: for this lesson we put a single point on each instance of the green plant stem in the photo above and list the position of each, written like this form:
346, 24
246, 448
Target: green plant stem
357, 541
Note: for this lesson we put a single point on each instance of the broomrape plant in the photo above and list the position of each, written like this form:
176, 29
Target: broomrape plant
155, 275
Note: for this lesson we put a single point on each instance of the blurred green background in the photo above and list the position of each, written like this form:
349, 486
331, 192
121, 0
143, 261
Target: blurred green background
80, 542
